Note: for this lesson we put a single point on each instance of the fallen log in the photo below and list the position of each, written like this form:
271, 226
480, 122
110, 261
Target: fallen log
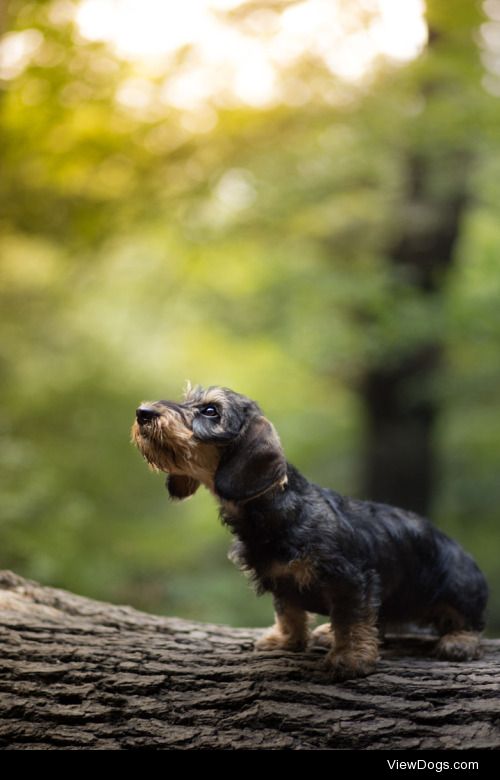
82, 674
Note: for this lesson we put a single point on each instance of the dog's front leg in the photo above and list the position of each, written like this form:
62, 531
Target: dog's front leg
290, 631
356, 638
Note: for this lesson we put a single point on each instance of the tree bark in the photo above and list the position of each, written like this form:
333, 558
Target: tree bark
82, 674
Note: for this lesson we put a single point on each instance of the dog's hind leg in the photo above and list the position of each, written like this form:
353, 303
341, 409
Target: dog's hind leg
457, 642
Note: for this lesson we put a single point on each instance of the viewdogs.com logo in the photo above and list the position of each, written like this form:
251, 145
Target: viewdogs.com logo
436, 766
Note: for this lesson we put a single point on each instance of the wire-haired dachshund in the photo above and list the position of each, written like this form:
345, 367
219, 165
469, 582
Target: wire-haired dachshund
363, 564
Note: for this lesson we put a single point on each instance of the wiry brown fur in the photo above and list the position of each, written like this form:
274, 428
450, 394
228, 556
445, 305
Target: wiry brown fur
290, 631
354, 651
301, 569
459, 646
168, 445
323, 635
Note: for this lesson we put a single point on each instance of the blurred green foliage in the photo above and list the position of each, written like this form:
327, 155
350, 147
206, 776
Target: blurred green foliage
137, 253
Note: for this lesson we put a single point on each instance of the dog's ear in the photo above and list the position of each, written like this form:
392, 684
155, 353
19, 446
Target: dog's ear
252, 464
180, 487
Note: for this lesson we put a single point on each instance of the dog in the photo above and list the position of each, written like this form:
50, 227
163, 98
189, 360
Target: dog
362, 564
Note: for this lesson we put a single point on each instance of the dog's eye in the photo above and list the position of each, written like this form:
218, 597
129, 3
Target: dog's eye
209, 411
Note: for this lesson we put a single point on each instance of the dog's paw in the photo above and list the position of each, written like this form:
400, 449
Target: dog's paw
458, 646
274, 639
323, 635
347, 666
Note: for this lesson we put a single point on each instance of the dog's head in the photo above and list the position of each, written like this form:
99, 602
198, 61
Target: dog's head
217, 437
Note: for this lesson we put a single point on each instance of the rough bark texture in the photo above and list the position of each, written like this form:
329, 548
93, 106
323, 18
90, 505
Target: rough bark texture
76, 673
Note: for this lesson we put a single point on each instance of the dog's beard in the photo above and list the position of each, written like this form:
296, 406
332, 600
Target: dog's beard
164, 443
169, 446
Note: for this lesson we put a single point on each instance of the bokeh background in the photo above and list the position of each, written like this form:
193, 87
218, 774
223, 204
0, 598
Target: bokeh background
298, 200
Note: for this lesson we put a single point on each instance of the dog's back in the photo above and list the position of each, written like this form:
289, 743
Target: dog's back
424, 575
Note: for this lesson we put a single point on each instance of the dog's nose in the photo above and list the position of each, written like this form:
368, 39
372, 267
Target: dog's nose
144, 414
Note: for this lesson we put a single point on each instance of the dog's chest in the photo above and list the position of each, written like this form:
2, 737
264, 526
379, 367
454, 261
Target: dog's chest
276, 560
300, 572
296, 581
285, 573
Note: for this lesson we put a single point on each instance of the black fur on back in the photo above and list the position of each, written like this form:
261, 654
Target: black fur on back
407, 568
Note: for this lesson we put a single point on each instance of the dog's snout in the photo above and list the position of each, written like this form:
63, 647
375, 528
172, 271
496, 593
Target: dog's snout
145, 414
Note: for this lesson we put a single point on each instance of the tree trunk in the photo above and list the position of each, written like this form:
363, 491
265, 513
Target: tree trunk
76, 673
399, 394
399, 462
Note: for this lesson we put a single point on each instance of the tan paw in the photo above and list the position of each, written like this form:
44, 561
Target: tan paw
323, 635
276, 640
458, 646
346, 666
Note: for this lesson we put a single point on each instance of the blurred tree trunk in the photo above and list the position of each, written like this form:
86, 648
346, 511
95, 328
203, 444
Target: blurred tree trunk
81, 674
398, 392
